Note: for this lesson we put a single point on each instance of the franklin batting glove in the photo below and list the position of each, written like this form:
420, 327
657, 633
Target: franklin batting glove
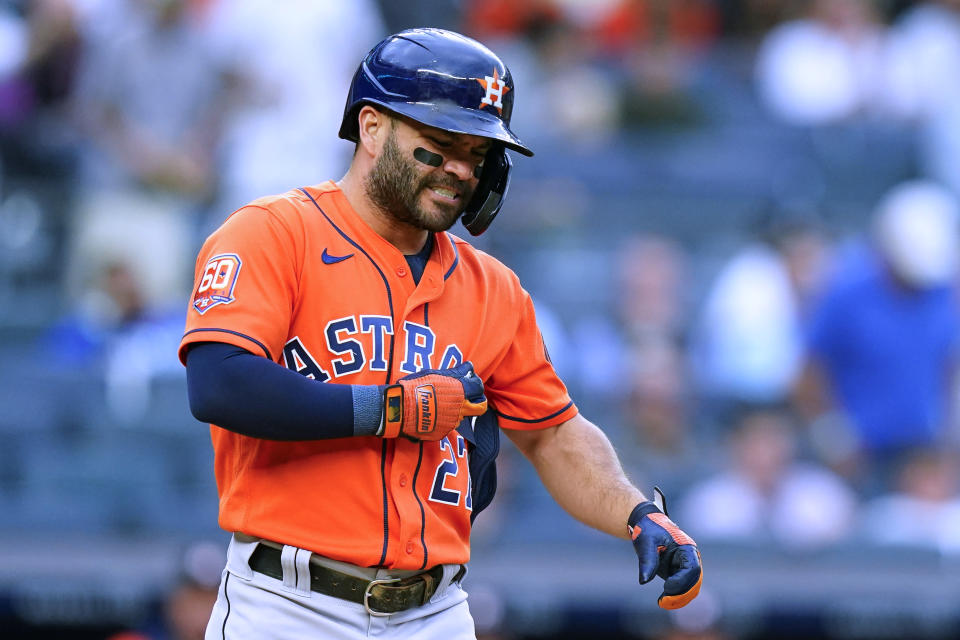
429, 404
666, 551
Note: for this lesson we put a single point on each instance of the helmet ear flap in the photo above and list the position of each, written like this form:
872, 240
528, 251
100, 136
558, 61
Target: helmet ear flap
491, 189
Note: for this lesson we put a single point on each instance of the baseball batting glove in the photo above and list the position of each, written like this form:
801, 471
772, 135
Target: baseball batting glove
666, 551
427, 405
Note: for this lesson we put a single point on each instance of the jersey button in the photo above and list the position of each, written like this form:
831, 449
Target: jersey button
401, 271
409, 547
403, 479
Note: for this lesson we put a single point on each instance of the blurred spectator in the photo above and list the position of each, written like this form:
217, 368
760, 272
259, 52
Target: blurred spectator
766, 492
49, 69
14, 51
487, 19
652, 272
924, 508
923, 84
189, 601
749, 345
117, 333
660, 446
39, 49
46, 142
562, 79
658, 46
288, 71
650, 310
631, 26
824, 67
626, 61
882, 339
188, 606
148, 101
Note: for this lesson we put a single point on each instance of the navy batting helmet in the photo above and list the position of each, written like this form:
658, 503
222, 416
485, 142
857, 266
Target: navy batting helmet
449, 81
439, 78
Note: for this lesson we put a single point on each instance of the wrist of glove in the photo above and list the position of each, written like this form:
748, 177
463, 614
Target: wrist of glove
429, 404
665, 550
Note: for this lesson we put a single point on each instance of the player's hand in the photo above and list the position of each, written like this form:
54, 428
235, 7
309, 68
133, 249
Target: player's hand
666, 551
427, 405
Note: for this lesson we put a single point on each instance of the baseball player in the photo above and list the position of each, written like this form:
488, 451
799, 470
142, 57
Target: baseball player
356, 362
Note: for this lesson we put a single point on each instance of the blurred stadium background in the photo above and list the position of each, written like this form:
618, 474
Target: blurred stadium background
719, 273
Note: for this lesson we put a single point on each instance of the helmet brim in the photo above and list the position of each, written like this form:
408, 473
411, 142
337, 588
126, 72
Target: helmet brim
455, 119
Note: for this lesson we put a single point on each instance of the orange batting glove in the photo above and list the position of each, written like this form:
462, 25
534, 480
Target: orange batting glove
429, 404
666, 551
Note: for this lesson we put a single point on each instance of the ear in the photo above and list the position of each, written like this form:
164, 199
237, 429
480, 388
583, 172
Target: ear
373, 129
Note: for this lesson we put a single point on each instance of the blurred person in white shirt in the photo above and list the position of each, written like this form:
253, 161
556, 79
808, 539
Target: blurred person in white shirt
824, 67
288, 65
923, 86
748, 344
766, 492
924, 509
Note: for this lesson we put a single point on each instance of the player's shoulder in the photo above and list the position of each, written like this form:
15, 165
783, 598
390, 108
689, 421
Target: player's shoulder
293, 204
289, 209
479, 264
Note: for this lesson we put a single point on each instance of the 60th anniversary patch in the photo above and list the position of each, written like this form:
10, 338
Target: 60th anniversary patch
217, 282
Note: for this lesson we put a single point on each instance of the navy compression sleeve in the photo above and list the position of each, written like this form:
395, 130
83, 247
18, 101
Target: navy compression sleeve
234, 389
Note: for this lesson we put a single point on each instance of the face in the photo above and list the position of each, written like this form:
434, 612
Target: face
417, 194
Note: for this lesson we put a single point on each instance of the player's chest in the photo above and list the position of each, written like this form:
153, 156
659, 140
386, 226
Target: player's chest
365, 326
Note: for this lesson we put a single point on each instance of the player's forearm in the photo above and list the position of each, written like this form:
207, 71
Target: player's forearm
248, 394
578, 466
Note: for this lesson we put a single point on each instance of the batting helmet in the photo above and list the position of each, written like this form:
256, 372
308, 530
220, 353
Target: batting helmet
445, 80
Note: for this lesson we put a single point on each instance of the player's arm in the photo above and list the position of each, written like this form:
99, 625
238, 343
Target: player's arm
237, 390
578, 466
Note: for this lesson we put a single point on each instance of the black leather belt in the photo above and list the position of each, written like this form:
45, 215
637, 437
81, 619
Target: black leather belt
380, 597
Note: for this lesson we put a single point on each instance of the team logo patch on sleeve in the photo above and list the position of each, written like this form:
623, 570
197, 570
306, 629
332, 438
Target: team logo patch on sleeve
217, 282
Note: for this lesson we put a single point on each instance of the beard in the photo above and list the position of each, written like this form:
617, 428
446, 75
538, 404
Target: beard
395, 185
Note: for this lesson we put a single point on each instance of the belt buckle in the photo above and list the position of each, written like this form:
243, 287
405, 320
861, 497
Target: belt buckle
366, 596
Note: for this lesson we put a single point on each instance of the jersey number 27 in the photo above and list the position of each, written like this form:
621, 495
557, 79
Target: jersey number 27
451, 467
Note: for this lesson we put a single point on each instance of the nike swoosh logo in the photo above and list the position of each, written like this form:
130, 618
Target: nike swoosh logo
329, 259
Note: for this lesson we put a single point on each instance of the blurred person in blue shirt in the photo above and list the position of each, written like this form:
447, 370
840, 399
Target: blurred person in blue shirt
882, 339
116, 332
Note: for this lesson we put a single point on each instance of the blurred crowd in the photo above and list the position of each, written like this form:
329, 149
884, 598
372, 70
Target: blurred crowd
800, 387
795, 382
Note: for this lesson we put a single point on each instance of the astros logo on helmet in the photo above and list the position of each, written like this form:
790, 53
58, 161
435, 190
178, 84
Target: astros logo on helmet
493, 87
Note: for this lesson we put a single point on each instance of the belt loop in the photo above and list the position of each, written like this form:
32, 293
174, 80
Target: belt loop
302, 561
288, 566
450, 572
238, 557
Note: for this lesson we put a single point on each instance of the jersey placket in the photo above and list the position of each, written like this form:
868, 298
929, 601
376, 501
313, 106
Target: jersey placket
405, 465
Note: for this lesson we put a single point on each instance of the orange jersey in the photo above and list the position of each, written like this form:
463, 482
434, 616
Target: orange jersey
305, 282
